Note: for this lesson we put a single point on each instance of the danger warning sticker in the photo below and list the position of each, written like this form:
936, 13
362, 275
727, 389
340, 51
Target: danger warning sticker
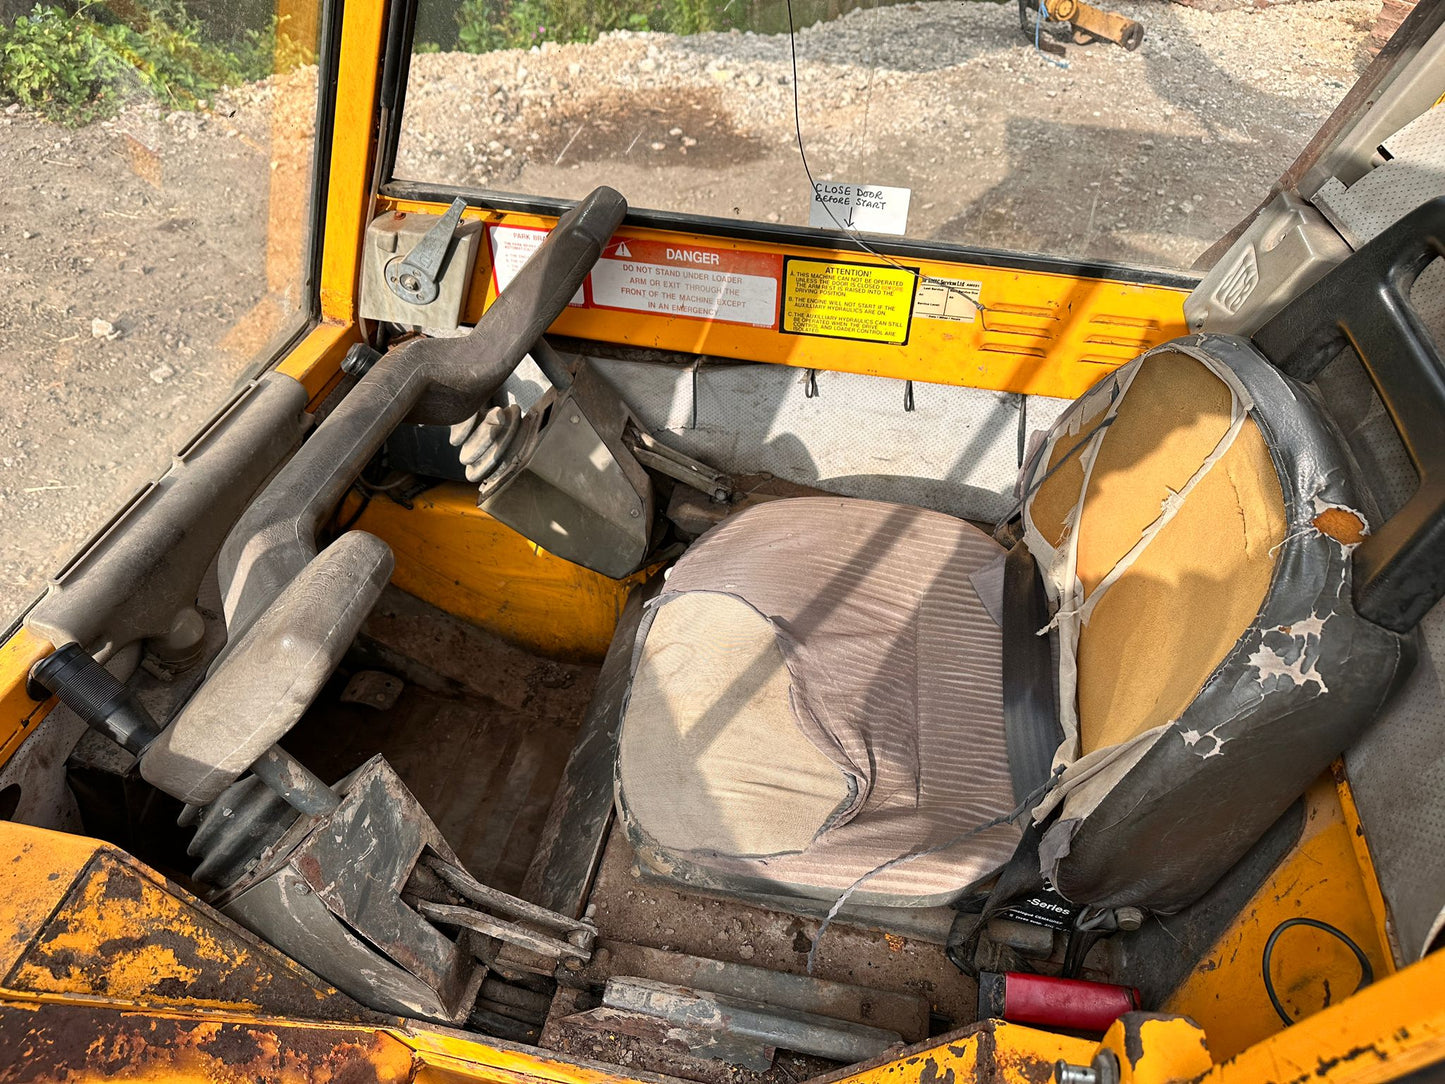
688, 280
947, 299
848, 301
511, 246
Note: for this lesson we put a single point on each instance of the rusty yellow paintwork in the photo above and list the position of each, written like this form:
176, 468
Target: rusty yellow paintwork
94, 989
1364, 864
45, 1039
990, 1051
1391, 1028
37, 870
452, 554
453, 1056
82, 919
1319, 878
1045, 333
19, 715
1152, 1048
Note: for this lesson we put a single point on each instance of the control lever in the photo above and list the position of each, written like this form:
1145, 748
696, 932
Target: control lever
415, 277
651, 452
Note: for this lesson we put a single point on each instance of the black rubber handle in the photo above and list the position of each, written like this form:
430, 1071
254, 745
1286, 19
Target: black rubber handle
1399, 571
536, 296
102, 701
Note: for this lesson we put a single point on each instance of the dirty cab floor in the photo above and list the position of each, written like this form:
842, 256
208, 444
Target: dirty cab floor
481, 732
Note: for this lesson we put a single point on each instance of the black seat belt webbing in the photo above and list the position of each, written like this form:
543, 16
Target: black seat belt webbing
1032, 732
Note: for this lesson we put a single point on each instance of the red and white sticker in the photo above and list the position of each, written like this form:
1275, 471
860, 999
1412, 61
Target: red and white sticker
688, 280
511, 247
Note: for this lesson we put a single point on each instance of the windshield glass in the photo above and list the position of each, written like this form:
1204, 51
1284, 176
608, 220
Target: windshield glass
953, 123
155, 175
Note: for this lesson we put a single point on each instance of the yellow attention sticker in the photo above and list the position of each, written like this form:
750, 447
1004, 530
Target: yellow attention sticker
848, 300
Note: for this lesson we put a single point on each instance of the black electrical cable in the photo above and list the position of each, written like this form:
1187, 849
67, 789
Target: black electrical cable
1367, 973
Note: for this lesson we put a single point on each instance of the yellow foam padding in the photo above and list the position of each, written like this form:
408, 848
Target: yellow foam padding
1168, 423
1056, 498
1163, 626
1342, 525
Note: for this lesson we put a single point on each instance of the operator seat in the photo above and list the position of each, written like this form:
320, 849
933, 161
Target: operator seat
817, 690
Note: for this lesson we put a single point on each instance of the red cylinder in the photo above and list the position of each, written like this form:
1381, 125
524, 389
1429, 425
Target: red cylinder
1075, 1004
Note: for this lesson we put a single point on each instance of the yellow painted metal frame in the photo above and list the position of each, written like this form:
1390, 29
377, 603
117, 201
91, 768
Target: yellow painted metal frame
108, 1027
452, 554
1322, 877
1045, 332
233, 1048
94, 943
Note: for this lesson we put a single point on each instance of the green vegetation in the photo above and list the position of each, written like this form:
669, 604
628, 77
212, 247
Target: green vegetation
75, 67
484, 25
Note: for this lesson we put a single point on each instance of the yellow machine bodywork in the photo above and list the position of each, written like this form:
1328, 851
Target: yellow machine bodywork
87, 934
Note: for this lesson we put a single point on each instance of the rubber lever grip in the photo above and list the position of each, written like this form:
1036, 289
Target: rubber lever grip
261, 688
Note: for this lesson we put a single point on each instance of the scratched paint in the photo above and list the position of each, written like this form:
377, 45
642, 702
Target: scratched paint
123, 933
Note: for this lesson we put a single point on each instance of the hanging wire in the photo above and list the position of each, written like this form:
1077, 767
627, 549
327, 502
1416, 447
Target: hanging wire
851, 231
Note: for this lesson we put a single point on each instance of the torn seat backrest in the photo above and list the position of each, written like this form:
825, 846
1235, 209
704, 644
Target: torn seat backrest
1194, 516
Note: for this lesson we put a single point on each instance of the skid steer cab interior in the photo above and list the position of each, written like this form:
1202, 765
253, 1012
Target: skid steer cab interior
610, 645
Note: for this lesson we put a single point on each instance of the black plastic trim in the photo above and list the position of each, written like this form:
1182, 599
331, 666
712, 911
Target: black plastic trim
328, 49
1399, 570
395, 72
1032, 733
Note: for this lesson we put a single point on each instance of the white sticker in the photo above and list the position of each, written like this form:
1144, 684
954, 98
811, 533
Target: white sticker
947, 299
868, 208
511, 247
688, 280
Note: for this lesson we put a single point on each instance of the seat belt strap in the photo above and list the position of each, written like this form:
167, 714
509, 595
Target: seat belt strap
1032, 732
1032, 735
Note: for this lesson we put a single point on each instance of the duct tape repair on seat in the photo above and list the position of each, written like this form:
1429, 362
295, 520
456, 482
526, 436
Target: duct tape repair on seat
1194, 515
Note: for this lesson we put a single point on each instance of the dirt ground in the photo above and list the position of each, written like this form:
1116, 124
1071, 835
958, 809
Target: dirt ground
138, 287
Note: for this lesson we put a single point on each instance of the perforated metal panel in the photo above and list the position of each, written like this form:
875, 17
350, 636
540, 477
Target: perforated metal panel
1398, 774
1378, 449
1413, 174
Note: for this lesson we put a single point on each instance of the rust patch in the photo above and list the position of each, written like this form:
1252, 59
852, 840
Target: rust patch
62, 1043
119, 934
1342, 525
986, 1056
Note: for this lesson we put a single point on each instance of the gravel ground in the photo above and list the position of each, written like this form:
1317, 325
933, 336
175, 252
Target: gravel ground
1144, 157
134, 251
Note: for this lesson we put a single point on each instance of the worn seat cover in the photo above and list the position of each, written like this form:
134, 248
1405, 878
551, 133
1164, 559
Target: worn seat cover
816, 692
1194, 517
